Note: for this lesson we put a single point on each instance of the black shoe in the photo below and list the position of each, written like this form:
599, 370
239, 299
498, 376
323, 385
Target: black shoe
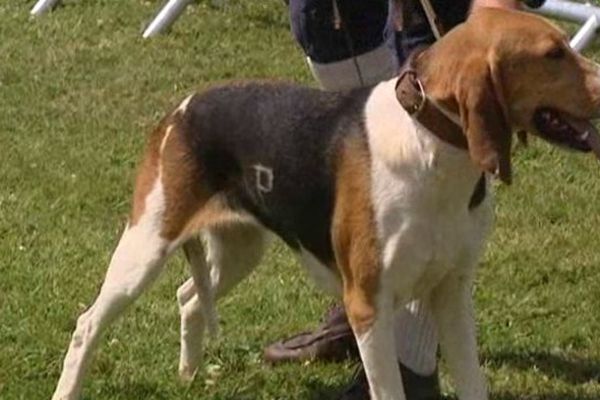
417, 387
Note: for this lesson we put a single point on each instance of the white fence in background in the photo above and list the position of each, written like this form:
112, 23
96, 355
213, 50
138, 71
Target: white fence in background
583, 13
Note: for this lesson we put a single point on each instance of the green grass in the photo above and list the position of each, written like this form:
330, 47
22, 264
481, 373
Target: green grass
79, 89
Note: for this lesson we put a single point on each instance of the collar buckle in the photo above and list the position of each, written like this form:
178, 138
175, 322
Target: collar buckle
410, 92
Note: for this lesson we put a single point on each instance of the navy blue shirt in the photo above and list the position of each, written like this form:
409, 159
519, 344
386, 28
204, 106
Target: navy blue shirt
363, 25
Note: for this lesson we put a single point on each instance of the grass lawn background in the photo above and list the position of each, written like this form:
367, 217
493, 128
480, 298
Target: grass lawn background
79, 90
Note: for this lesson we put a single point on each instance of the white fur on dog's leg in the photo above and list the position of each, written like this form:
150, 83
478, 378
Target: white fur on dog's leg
197, 310
377, 351
452, 305
200, 270
135, 264
192, 330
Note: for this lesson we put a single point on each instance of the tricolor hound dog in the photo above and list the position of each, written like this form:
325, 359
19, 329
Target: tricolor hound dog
380, 201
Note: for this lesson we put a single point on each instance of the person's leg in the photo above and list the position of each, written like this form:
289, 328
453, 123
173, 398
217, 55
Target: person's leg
363, 70
416, 338
416, 346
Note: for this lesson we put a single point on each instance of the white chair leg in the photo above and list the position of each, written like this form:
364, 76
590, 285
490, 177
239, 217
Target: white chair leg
583, 13
586, 34
166, 17
43, 6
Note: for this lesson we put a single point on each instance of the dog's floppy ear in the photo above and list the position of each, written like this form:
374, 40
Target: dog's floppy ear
483, 115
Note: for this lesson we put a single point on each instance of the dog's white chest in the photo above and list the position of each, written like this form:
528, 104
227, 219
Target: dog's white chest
421, 189
425, 227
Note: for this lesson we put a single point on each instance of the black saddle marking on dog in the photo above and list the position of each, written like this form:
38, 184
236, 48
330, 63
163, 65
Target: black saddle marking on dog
291, 133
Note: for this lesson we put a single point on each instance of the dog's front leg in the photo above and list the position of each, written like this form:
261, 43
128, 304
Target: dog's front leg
367, 297
374, 331
369, 307
452, 306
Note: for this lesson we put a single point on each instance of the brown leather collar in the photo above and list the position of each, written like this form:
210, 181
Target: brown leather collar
412, 97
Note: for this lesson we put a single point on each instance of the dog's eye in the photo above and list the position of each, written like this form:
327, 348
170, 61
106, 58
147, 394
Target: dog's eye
556, 53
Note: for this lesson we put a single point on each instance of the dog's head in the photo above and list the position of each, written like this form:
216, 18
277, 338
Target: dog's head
505, 70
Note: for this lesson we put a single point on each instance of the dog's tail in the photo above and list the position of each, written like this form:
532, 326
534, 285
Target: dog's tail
200, 269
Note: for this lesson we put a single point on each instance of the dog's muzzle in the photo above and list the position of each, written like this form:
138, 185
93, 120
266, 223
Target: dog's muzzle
567, 131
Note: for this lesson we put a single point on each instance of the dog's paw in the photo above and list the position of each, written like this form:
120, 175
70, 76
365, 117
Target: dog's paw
187, 373
60, 396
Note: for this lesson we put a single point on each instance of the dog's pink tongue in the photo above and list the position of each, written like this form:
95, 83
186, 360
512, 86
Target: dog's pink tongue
588, 133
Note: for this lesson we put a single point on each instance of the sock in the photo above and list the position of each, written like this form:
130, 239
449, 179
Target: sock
416, 338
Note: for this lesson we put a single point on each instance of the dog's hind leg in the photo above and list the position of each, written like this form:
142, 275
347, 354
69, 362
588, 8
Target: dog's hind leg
162, 212
233, 252
196, 307
202, 287
191, 330
136, 262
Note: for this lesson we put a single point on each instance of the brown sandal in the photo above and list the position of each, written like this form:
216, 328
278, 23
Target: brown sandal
332, 341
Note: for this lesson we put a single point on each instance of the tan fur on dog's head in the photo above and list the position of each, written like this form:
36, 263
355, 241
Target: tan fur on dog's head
497, 70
